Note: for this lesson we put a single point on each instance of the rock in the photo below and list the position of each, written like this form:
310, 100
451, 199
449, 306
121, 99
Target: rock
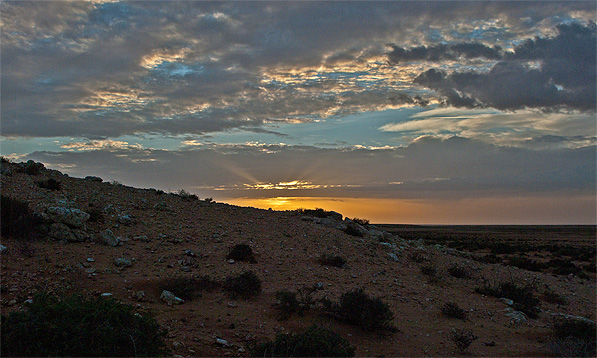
334, 215
507, 301
125, 219
222, 342
355, 229
139, 295
108, 238
3, 248
62, 232
92, 178
170, 298
142, 238
107, 294
122, 262
516, 316
72, 217
81, 235
393, 256
89, 259
189, 253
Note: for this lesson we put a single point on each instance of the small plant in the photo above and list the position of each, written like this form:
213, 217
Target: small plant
429, 270
363, 222
32, 168
50, 184
554, 297
17, 221
418, 257
188, 288
314, 342
523, 297
452, 310
187, 196
459, 271
288, 304
331, 260
77, 326
574, 338
358, 309
241, 252
246, 285
462, 339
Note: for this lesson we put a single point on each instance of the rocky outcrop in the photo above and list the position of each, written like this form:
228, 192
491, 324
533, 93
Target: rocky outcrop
108, 238
71, 217
61, 232
170, 298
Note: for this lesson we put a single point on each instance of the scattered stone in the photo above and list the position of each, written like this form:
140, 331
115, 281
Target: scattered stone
125, 219
108, 238
122, 262
393, 256
516, 316
222, 342
90, 259
490, 344
170, 298
139, 295
231, 261
107, 294
72, 217
185, 269
81, 235
161, 206
3, 248
507, 301
142, 238
190, 253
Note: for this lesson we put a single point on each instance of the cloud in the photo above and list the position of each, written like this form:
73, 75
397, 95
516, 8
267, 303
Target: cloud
564, 80
443, 52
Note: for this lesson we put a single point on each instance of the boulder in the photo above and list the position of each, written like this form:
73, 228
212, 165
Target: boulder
72, 217
170, 298
62, 232
81, 235
122, 262
108, 238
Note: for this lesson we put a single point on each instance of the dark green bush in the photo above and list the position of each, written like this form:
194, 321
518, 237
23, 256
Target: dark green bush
241, 252
357, 308
50, 184
187, 288
17, 221
246, 285
462, 339
452, 310
287, 303
331, 260
574, 338
523, 297
77, 326
314, 342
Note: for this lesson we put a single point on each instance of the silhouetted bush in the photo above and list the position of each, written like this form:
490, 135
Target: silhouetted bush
32, 168
357, 308
523, 297
17, 221
462, 339
314, 342
459, 271
363, 222
574, 338
452, 310
183, 194
187, 288
77, 326
246, 285
241, 252
296, 302
331, 260
50, 184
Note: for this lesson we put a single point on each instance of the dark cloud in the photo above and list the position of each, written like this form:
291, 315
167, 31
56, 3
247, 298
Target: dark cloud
443, 52
565, 78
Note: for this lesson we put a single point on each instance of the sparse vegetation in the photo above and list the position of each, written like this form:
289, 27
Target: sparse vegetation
32, 167
50, 184
331, 260
77, 326
357, 308
186, 195
318, 212
241, 252
574, 338
245, 285
314, 342
458, 271
95, 214
452, 310
462, 339
188, 288
18, 221
363, 222
523, 297
418, 257
289, 302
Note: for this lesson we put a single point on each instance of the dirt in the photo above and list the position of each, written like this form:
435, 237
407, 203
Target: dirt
286, 248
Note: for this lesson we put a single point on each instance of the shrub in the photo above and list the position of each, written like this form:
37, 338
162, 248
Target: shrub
246, 285
241, 252
187, 196
459, 271
452, 310
363, 222
95, 215
314, 342
296, 302
358, 309
418, 257
50, 184
187, 288
77, 326
17, 221
462, 339
331, 260
523, 297
32, 168
574, 338
429, 270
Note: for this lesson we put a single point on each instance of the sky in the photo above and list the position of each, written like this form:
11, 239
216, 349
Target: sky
397, 112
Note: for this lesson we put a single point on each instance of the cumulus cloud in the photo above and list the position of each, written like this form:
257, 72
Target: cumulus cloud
564, 80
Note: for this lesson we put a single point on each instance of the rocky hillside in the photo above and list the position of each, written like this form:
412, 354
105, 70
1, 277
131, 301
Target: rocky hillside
107, 239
